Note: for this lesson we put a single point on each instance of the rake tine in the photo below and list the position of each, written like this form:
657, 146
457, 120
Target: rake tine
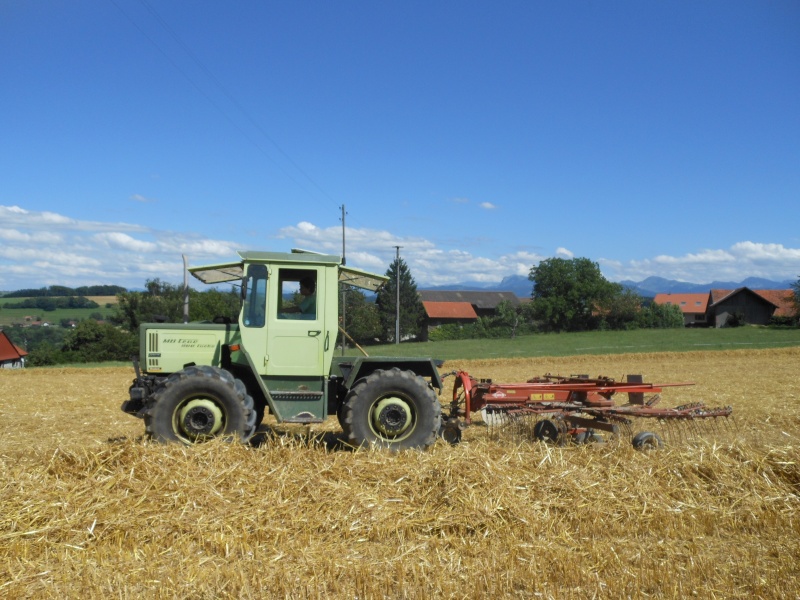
675, 430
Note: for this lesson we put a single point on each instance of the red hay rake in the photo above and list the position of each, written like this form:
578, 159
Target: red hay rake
576, 409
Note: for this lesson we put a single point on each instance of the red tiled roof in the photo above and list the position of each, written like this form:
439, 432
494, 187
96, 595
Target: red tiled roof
783, 299
449, 310
688, 303
720, 295
9, 351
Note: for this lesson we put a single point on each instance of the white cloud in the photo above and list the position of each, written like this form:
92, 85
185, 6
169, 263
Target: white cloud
47, 248
487, 205
122, 241
73, 252
142, 199
741, 260
37, 237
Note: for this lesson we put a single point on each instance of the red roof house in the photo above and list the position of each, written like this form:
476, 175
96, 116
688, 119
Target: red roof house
444, 313
11, 356
693, 306
719, 308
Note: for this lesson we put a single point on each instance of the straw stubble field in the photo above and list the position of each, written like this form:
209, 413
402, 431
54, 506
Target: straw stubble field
91, 510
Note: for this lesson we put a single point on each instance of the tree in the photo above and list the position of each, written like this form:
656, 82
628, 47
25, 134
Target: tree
621, 310
363, 323
796, 299
510, 316
164, 301
412, 313
160, 300
213, 303
91, 341
660, 316
569, 295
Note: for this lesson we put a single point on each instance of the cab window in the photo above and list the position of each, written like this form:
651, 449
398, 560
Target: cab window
297, 294
255, 296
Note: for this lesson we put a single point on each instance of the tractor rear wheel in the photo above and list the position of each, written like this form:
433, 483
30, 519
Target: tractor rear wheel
200, 403
391, 409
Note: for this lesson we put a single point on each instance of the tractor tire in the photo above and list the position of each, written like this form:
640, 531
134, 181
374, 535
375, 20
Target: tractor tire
391, 409
200, 403
647, 440
260, 409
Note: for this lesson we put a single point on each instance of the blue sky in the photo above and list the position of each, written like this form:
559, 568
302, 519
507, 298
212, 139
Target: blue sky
654, 138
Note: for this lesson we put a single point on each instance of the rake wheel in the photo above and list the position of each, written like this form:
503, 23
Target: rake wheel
647, 440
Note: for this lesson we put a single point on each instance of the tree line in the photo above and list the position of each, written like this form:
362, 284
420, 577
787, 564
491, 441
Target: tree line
60, 290
51, 303
566, 296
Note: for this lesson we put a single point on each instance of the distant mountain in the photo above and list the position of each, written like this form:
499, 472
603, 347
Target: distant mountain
522, 286
658, 285
519, 284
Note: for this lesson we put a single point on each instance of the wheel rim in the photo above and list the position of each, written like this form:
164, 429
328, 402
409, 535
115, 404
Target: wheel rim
200, 417
392, 418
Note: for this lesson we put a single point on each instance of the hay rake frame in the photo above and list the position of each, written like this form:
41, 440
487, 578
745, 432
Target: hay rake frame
576, 408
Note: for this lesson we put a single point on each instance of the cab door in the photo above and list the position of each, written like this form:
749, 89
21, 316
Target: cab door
297, 338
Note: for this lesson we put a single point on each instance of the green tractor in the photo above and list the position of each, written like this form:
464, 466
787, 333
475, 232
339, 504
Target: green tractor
196, 381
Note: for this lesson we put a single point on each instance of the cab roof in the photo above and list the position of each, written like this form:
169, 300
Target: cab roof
233, 271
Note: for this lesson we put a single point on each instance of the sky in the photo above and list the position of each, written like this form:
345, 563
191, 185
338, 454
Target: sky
654, 138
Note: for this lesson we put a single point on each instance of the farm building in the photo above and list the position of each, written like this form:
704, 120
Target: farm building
446, 313
11, 356
443, 308
717, 308
483, 303
693, 306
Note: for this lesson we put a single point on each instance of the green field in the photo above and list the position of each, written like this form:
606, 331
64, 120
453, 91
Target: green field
17, 316
596, 342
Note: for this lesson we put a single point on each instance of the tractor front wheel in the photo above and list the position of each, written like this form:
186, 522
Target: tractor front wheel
392, 409
200, 403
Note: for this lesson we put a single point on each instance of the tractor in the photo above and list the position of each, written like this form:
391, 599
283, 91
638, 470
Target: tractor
201, 380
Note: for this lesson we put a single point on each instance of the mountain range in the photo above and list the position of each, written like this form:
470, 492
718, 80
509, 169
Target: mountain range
522, 286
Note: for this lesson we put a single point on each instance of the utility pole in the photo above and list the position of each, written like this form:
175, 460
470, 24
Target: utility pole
397, 305
344, 287
344, 212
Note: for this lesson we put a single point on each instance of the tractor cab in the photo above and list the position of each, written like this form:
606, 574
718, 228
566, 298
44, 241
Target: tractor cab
289, 322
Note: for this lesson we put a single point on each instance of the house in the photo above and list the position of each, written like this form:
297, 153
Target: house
484, 303
783, 299
11, 356
693, 306
753, 308
717, 308
444, 313
460, 307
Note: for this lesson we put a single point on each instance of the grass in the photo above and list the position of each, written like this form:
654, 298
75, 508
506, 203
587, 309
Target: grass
597, 342
92, 510
16, 316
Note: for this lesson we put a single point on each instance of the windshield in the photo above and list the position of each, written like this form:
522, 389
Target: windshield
255, 296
